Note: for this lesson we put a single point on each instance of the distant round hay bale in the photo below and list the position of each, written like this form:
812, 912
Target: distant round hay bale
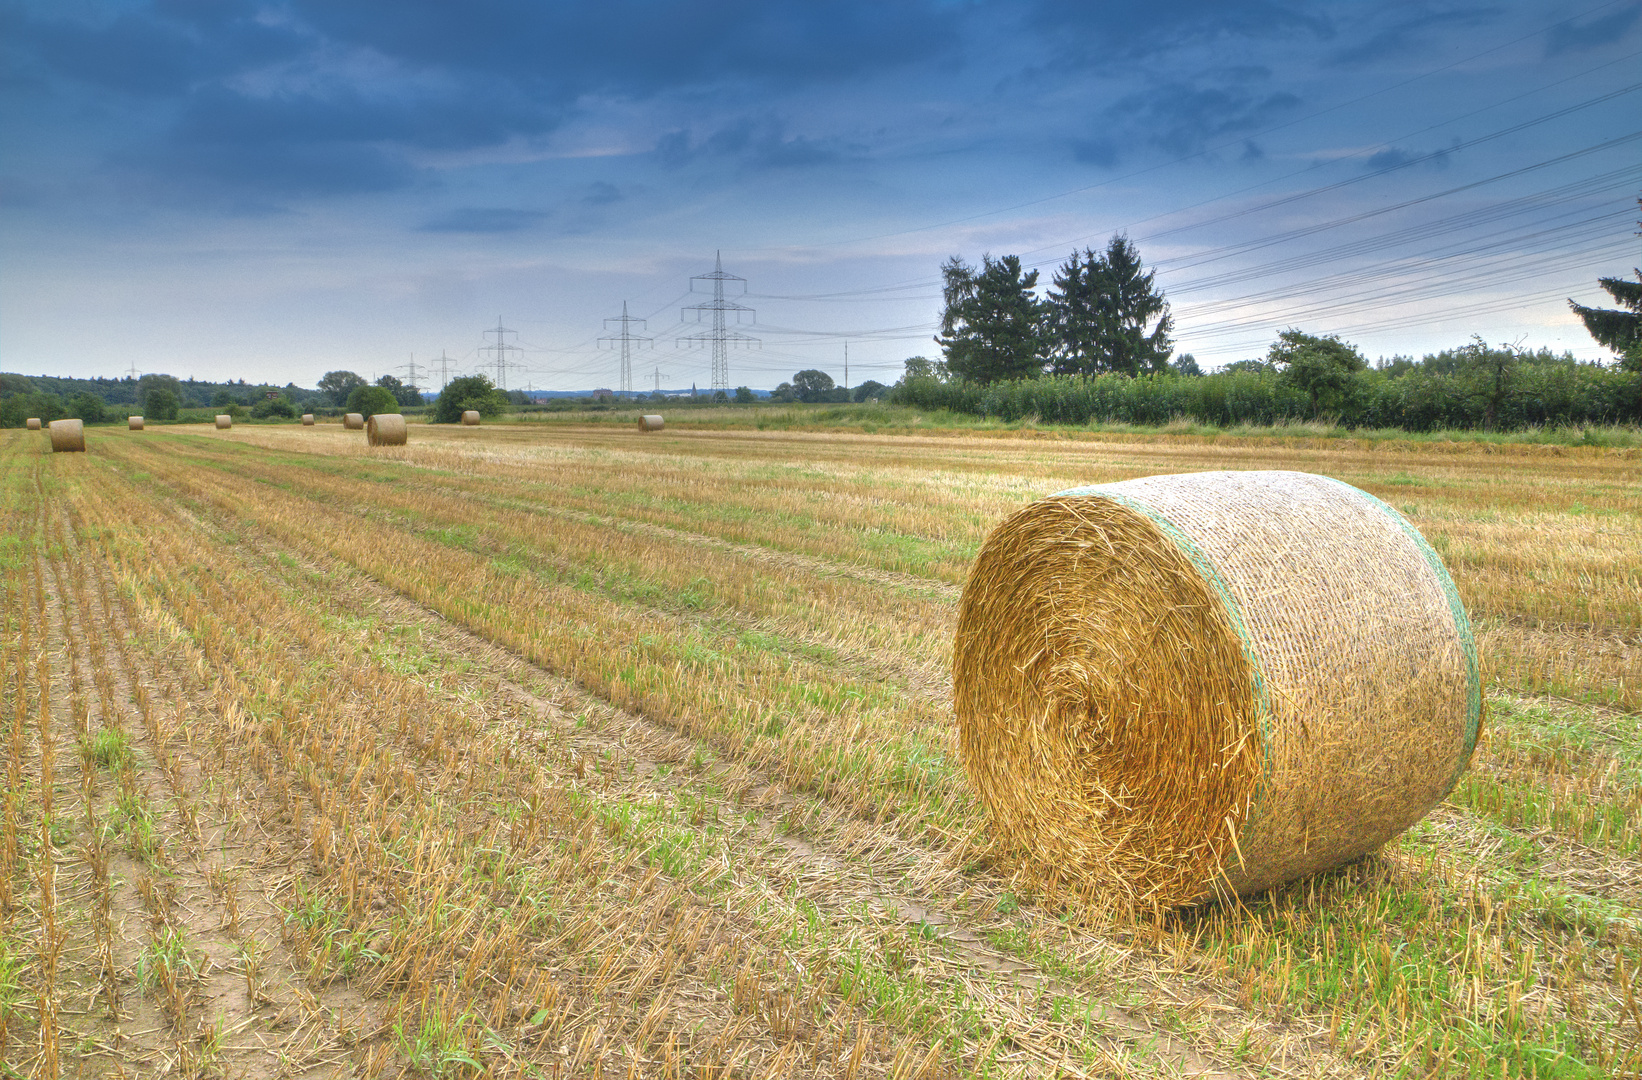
134, 423
470, 417
353, 421
224, 421
68, 436
307, 419
1184, 686
32, 423
386, 429
651, 422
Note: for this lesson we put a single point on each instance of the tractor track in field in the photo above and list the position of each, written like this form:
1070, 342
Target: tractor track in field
245, 1009
242, 1006
853, 856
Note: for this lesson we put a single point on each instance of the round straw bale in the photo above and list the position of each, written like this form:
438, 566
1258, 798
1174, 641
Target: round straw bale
1184, 686
307, 419
134, 423
224, 421
651, 422
470, 417
67, 436
353, 421
386, 429
33, 423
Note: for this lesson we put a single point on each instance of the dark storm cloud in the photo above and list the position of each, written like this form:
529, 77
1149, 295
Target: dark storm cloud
1101, 152
1097, 32
260, 177
634, 48
1396, 158
757, 142
484, 219
1578, 37
147, 54
337, 95
602, 193
1185, 117
1409, 32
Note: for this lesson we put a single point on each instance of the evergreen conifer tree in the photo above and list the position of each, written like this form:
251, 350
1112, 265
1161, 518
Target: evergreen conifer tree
991, 326
1620, 331
1106, 314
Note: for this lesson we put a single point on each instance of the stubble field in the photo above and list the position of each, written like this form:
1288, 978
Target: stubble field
555, 751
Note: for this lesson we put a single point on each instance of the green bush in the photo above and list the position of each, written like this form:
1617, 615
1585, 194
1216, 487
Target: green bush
88, 408
468, 392
271, 407
367, 401
159, 403
1447, 391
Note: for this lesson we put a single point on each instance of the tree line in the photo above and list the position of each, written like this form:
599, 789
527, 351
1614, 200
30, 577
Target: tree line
1102, 314
1096, 347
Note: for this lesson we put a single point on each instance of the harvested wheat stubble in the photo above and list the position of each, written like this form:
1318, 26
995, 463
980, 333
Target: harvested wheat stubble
307, 419
470, 417
1183, 686
386, 429
354, 421
224, 421
651, 422
68, 436
33, 423
134, 423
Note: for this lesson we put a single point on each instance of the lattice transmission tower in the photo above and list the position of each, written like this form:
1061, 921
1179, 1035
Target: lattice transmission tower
500, 351
720, 338
627, 340
412, 380
444, 362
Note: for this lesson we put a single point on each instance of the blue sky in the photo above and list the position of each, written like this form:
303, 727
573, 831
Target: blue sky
226, 188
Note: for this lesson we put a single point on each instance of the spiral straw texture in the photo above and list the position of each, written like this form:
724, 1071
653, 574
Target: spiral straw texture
651, 422
1184, 686
470, 417
386, 429
354, 421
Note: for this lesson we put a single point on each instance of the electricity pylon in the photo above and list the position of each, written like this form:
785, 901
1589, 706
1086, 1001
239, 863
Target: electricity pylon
626, 338
720, 337
500, 352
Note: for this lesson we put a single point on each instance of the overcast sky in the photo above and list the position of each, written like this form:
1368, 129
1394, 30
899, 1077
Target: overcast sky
218, 188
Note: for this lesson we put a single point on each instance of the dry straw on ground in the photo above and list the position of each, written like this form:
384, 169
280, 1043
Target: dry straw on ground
33, 423
134, 423
1181, 686
470, 417
67, 435
386, 429
354, 421
307, 419
650, 422
224, 421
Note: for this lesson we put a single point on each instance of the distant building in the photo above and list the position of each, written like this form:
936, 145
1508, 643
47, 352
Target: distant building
603, 394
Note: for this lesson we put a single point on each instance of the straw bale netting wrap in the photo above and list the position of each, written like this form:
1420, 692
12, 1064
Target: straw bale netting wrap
1184, 686
354, 421
386, 429
33, 423
470, 417
68, 435
651, 422
224, 421
134, 423
307, 419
